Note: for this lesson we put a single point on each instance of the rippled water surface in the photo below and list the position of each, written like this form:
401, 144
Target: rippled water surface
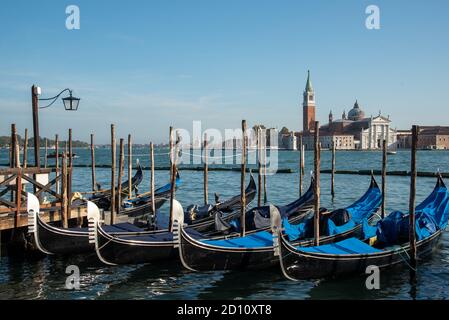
45, 278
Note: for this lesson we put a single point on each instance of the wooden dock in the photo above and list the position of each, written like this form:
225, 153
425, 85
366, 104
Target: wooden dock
49, 213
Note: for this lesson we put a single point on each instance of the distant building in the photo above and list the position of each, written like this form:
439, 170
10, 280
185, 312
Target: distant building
288, 141
433, 137
308, 107
354, 131
404, 139
272, 133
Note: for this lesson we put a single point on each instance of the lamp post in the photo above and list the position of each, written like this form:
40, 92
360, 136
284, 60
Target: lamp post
70, 104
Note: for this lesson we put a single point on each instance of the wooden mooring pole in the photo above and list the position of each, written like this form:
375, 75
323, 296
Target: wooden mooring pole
64, 202
333, 170
412, 232
130, 166
36, 139
121, 168
301, 164
92, 158
317, 164
384, 176
12, 147
46, 154
25, 155
13, 151
170, 144
264, 152
153, 202
259, 167
113, 164
57, 161
172, 178
18, 197
70, 169
206, 168
25, 150
242, 183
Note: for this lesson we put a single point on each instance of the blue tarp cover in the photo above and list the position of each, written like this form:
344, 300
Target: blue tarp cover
360, 210
256, 240
348, 246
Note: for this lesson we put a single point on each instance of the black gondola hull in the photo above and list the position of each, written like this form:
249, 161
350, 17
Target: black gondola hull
198, 256
143, 209
112, 250
55, 240
297, 265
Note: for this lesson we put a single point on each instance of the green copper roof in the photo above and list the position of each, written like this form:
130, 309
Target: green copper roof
309, 87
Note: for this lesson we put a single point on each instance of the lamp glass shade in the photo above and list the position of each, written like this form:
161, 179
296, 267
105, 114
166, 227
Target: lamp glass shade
71, 103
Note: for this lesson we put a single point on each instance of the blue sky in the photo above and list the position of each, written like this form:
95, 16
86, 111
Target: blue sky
146, 65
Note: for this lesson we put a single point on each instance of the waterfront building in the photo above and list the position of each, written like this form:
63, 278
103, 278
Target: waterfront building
433, 138
354, 131
308, 107
430, 138
404, 139
288, 140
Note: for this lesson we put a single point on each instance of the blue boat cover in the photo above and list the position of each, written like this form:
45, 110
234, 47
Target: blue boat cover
259, 217
255, 240
157, 192
333, 229
437, 205
366, 205
368, 231
431, 215
348, 246
359, 211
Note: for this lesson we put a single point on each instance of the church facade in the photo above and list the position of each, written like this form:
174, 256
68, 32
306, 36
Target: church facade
353, 131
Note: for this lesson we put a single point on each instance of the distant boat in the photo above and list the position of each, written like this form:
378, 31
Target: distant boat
392, 152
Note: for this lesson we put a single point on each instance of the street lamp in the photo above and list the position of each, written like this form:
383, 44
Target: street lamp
70, 104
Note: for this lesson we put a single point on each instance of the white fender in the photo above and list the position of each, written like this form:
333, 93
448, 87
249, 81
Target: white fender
33, 209
93, 218
276, 227
177, 221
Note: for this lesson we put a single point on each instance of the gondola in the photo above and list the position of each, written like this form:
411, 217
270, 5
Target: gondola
255, 251
142, 204
57, 240
141, 248
203, 218
381, 246
103, 198
138, 248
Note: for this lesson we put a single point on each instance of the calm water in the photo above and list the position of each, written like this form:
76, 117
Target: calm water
45, 278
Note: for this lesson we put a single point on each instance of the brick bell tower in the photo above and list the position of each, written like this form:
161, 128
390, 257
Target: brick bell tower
308, 107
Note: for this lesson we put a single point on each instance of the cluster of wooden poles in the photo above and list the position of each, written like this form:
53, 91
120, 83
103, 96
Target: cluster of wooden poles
66, 169
116, 196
